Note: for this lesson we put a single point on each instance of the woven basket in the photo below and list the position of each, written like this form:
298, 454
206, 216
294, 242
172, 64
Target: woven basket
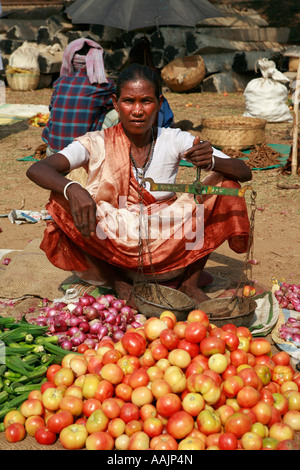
24, 81
237, 133
185, 73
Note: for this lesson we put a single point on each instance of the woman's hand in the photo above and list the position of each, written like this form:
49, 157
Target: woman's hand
83, 209
200, 154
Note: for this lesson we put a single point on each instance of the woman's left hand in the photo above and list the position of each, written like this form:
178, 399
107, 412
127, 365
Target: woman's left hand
200, 154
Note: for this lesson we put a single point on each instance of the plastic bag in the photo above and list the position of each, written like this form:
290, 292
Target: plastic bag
25, 57
266, 97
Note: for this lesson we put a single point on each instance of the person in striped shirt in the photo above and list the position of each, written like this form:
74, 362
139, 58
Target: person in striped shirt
81, 97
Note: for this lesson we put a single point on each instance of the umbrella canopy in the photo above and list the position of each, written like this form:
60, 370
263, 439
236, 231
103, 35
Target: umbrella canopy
138, 14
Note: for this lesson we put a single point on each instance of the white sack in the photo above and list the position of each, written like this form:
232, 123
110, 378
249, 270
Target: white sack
25, 57
266, 97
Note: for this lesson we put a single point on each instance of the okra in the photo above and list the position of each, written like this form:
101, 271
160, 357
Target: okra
29, 338
11, 375
13, 404
2, 369
49, 339
54, 349
26, 388
6, 322
3, 396
14, 366
2, 427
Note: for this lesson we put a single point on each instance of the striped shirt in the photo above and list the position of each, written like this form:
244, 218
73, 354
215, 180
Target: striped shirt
76, 107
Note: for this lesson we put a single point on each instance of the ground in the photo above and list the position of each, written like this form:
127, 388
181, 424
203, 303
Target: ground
276, 235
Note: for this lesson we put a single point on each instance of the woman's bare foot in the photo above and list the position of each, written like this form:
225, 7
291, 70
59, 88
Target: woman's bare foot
205, 279
195, 293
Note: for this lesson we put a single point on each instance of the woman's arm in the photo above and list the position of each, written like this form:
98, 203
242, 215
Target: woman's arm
49, 174
201, 155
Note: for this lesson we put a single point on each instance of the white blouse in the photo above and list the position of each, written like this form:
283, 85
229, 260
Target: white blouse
168, 152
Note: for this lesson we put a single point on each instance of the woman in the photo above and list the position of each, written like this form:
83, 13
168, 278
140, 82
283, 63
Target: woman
82, 95
141, 53
85, 234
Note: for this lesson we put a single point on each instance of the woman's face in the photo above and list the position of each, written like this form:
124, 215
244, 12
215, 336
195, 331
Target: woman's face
137, 106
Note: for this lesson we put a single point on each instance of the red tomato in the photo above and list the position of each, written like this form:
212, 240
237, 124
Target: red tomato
60, 420
51, 371
138, 378
282, 373
105, 389
180, 424
129, 411
168, 404
281, 358
169, 338
15, 432
44, 436
90, 405
111, 408
159, 351
123, 391
191, 348
230, 327
134, 343
113, 355
228, 441
82, 348
129, 363
195, 332
163, 442
231, 340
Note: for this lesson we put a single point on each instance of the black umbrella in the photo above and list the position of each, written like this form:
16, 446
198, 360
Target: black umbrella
138, 14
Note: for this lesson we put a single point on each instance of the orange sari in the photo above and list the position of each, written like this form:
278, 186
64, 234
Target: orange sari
174, 243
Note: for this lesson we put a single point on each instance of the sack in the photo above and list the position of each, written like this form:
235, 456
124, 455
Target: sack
25, 58
266, 97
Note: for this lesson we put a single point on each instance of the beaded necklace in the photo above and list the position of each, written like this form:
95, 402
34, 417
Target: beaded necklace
141, 171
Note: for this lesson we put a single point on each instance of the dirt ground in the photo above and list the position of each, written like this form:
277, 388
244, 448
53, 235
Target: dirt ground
277, 218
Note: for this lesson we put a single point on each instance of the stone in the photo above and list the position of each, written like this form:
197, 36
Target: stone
43, 35
198, 43
256, 34
115, 59
8, 46
50, 62
228, 82
233, 17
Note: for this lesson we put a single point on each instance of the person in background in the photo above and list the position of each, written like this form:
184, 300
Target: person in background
141, 54
82, 95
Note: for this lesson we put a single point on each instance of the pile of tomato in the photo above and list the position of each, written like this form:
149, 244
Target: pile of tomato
170, 385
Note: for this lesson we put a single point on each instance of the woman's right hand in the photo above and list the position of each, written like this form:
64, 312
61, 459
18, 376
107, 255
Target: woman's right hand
83, 209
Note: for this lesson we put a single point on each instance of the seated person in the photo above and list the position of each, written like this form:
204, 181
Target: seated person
82, 95
95, 230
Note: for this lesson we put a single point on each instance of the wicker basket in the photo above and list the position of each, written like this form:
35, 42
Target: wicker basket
149, 300
237, 133
185, 73
23, 81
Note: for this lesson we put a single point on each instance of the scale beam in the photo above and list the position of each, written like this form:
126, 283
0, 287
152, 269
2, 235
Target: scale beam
197, 188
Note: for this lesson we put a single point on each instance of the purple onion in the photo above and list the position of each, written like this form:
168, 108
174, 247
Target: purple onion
66, 345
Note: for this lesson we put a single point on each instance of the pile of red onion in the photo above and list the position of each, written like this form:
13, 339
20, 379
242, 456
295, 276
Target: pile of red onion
290, 331
89, 320
288, 296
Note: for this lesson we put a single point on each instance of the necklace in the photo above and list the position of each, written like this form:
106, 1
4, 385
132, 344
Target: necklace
141, 171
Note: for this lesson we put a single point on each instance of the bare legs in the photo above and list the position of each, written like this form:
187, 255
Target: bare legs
194, 277
104, 274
